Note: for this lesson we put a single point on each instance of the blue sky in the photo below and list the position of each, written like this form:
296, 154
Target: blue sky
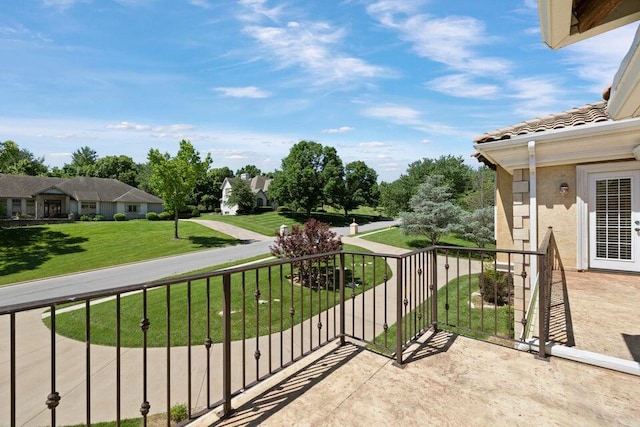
387, 81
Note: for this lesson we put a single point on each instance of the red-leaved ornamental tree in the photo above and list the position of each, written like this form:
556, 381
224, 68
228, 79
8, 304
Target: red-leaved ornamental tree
312, 239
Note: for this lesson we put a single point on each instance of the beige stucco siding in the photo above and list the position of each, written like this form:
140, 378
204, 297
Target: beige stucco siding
504, 209
557, 211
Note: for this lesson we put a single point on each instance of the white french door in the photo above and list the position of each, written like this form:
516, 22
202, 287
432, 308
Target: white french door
614, 220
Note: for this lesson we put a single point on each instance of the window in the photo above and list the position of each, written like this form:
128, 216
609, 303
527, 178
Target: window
16, 205
132, 208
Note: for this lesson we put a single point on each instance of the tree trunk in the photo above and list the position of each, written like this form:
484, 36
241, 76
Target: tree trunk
175, 227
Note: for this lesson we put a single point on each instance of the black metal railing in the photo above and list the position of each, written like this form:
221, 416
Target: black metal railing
202, 339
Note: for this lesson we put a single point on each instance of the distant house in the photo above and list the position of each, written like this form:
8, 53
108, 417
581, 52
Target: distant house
577, 171
259, 185
46, 197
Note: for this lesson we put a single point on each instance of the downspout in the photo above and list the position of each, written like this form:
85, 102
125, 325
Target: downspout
533, 209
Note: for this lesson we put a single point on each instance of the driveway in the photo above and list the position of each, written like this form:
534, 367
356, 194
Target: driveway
146, 271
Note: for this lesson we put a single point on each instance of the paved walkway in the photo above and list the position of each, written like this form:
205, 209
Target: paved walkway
233, 231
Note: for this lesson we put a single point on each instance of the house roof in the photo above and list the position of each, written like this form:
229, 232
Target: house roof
256, 183
590, 113
79, 188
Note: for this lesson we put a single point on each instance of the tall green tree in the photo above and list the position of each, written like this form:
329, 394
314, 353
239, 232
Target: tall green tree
122, 168
83, 162
250, 170
360, 187
174, 178
310, 174
432, 211
478, 226
482, 192
208, 190
17, 161
241, 195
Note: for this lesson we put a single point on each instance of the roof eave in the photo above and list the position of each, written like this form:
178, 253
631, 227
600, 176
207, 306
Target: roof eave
594, 142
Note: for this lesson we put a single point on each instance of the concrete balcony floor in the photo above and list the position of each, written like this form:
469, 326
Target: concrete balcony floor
447, 380
604, 312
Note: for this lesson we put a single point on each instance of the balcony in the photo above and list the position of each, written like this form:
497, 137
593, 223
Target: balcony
316, 340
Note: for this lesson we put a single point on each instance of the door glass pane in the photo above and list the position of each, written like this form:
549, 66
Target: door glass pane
613, 218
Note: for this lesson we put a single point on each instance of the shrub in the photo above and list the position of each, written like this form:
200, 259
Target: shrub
98, 218
195, 213
152, 216
315, 238
283, 209
493, 283
178, 413
85, 218
119, 217
165, 216
217, 210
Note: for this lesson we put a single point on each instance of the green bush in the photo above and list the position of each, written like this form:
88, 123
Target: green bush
165, 216
217, 210
496, 287
152, 216
195, 213
119, 217
283, 209
85, 218
178, 413
98, 217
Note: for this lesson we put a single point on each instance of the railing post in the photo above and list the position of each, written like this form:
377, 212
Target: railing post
226, 345
542, 306
399, 319
342, 303
434, 289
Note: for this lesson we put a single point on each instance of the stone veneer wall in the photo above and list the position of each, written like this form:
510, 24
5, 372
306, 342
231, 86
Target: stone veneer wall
521, 240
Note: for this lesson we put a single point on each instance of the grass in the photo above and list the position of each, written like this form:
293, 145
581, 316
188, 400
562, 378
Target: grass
282, 294
479, 322
268, 223
395, 237
30, 253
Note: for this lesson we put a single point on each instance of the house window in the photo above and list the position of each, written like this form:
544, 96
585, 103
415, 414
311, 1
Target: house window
259, 202
132, 208
16, 206
31, 207
89, 208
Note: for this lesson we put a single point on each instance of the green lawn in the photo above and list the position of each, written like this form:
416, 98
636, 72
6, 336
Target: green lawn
395, 237
457, 316
268, 223
30, 253
271, 288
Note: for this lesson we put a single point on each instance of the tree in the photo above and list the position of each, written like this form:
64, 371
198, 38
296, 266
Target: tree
241, 195
432, 213
314, 238
83, 162
250, 170
360, 187
208, 189
456, 174
482, 192
310, 174
122, 168
477, 226
16, 161
174, 178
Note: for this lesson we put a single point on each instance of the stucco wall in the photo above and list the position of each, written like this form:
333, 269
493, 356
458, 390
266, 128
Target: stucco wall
504, 209
557, 211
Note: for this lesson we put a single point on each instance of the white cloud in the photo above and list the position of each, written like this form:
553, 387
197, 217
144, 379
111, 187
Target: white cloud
341, 129
450, 40
200, 3
597, 59
243, 92
536, 96
258, 10
395, 113
314, 47
62, 4
461, 85
235, 157
128, 126
59, 154
426, 141
373, 144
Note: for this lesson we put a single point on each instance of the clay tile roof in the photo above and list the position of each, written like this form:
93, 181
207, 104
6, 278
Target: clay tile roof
590, 113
